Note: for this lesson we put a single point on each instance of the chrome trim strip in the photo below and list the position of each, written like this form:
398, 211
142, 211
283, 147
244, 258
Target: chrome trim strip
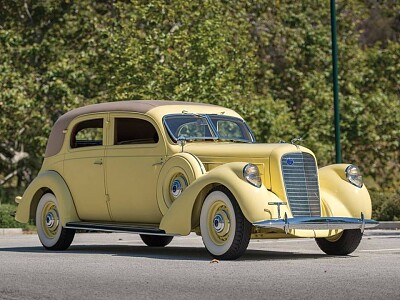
169, 131
216, 134
253, 137
363, 223
317, 223
123, 228
203, 171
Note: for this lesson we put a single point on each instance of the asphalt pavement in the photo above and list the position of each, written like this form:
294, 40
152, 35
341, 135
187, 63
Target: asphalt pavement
120, 266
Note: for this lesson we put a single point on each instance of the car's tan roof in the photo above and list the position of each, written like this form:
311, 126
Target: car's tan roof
56, 137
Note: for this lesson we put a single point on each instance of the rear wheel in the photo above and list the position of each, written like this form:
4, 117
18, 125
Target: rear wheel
48, 223
224, 229
342, 244
156, 240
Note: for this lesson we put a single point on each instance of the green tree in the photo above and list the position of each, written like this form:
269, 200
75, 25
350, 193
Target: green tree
269, 60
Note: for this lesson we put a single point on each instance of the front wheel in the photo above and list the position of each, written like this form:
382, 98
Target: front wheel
224, 229
344, 243
156, 240
48, 223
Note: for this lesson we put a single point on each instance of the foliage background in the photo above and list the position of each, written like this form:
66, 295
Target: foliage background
269, 60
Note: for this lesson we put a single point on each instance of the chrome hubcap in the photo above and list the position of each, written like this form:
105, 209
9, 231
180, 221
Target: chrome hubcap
176, 188
219, 223
178, 185
50, 220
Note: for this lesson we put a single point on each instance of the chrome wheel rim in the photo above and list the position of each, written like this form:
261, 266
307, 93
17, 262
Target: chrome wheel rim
219, 223
50, 220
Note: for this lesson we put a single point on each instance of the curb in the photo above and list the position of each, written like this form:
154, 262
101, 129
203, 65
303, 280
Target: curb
11, 231
387, 225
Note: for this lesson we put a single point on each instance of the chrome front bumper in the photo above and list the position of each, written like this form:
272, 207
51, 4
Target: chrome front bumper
318, 223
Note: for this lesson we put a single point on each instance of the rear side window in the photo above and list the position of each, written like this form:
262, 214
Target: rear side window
134, 131
87, 134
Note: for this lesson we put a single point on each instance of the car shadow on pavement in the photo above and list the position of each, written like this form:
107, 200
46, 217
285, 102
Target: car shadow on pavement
168, 253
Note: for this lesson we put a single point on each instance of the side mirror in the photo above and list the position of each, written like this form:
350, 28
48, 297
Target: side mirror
181, 141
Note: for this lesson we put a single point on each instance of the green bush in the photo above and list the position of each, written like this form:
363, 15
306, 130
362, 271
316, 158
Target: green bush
8, 221
385, 206
8, 194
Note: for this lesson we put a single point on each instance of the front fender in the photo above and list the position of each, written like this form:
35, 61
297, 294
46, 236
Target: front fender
47, 180
253, 201
339, 197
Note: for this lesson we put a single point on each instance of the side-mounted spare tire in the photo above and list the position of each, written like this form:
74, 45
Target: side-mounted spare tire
176, 174
48, 223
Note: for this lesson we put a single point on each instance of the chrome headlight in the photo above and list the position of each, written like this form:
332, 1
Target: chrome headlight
354, 176
252, 175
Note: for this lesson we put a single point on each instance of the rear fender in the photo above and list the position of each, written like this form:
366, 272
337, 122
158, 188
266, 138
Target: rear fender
47, 181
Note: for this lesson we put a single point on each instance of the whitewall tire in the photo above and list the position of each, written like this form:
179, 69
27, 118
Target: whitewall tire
224, 229
48, 223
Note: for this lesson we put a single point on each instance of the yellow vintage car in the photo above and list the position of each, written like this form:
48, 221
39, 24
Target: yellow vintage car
165, 169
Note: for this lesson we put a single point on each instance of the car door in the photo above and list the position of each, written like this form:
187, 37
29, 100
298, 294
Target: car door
134, 160
84, 167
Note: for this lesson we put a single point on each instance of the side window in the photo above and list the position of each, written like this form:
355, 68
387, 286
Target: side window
87, 133
134, 131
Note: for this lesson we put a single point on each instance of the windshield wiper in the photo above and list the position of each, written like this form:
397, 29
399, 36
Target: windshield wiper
199, 138
233, 140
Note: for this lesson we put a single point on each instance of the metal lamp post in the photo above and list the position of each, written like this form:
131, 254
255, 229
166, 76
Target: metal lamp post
335, 83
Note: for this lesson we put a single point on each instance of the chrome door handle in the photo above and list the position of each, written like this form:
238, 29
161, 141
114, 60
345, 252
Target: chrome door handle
161, 162
98, 161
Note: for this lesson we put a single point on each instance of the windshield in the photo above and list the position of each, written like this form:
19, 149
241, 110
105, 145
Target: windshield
207, 127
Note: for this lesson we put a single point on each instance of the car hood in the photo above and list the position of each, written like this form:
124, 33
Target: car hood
267, 157
240, 150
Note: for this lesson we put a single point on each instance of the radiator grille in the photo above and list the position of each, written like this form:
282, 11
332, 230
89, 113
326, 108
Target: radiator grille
300, 177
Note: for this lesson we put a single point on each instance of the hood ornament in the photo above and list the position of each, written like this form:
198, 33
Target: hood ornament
295, 140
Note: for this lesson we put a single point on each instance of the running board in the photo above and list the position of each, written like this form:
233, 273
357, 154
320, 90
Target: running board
110, 227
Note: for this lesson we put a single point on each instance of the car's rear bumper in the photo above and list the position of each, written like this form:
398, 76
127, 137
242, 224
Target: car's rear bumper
318, 223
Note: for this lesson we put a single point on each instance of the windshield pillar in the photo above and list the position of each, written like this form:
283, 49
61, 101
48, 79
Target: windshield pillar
211, 124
